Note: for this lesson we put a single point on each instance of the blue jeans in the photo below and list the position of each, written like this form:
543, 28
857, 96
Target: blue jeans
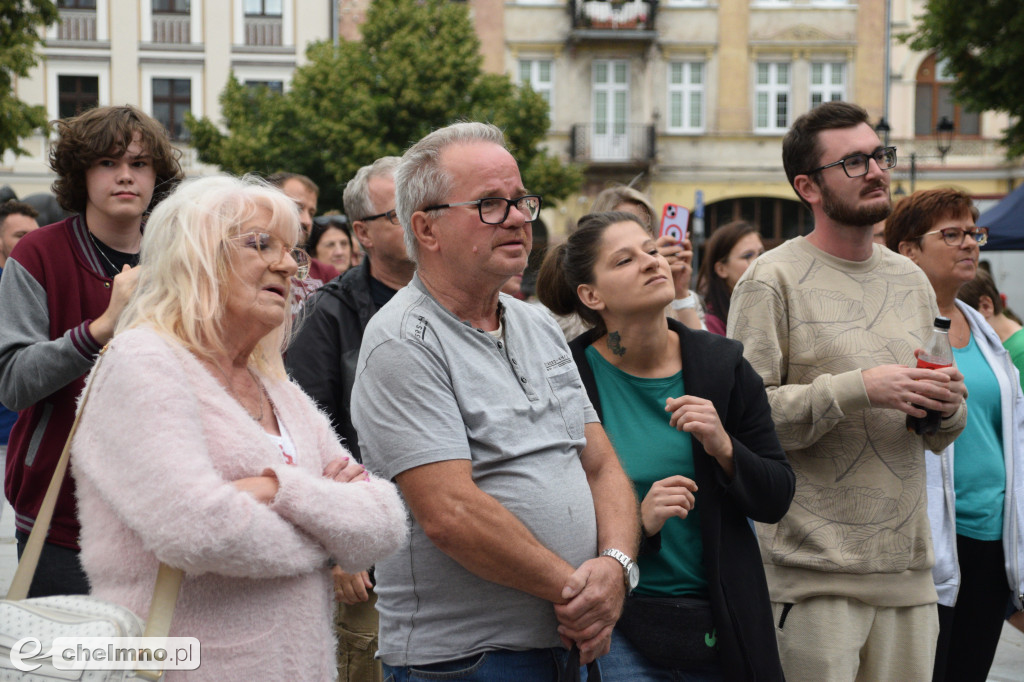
625, 664
535, 665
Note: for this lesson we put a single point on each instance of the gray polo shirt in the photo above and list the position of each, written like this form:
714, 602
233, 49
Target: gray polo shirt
429, 388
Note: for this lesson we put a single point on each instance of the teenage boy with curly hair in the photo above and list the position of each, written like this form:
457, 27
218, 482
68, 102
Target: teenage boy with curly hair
63, 288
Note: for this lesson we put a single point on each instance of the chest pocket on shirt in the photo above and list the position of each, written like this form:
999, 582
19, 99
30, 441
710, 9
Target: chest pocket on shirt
568, 391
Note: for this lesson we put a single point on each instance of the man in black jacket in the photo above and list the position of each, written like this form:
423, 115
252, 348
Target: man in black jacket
322, 359
322, 356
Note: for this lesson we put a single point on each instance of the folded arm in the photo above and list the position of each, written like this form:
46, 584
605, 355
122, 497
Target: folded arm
190, 516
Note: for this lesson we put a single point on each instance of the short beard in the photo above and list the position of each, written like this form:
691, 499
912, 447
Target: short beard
854, 216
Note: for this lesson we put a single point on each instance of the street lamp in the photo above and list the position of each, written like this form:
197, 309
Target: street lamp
883, 129
944, 137
944, 130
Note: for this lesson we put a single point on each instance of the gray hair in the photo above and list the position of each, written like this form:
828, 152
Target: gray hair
356, 197
611, 198
419, 178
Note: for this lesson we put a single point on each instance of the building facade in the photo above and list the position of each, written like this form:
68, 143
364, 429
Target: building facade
680, 97
167, 57
694, 96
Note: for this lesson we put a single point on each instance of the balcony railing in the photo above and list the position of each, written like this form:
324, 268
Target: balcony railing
617, 15
77, 25
172, 28
263, 31
631, 143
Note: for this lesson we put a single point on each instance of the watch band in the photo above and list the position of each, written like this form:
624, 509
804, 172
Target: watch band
630, 571
685, 303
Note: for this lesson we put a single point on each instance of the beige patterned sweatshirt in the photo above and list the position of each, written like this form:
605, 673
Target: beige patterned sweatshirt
810, 323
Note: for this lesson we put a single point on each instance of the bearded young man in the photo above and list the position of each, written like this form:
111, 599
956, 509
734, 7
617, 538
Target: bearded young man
831, 322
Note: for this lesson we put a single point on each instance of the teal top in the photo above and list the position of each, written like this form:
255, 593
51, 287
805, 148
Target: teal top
979, 473
650, 450
1015, 346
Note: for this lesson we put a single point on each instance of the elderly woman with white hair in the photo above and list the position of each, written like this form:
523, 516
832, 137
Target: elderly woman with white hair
195, 450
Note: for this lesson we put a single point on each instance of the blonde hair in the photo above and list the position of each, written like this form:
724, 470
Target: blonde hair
184, 266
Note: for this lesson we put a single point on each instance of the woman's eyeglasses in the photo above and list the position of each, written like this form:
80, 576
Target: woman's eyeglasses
955, 236
273, 250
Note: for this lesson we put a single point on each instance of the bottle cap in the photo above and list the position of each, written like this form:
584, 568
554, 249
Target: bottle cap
942, 323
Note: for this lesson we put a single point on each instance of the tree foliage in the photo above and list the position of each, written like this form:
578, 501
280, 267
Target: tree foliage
417, 68
983, 42
20, 21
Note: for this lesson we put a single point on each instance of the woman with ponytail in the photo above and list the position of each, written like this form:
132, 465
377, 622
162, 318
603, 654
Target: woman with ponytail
690, 421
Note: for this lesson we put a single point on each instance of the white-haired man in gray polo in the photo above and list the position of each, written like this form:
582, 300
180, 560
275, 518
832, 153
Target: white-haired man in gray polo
524, 526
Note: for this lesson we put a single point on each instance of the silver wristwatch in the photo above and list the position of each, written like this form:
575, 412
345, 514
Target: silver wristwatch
630, 571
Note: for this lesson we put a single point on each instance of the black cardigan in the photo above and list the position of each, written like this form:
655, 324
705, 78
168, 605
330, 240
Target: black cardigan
762, 489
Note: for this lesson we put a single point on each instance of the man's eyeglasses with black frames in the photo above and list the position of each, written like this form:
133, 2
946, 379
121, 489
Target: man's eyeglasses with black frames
494, 210
857, 165
392, 217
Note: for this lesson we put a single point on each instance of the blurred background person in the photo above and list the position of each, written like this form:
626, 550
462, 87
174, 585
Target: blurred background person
248, 490
305, 193
16, 220
330, 241
690, 420
982, 295
728, 253
878, 233
979, 550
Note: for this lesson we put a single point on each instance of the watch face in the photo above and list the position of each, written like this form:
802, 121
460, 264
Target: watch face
634, 576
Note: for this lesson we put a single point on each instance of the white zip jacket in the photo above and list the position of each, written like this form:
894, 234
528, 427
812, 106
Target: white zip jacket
942, 494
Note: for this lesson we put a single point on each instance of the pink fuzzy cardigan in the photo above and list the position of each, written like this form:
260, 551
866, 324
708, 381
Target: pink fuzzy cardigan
155, 453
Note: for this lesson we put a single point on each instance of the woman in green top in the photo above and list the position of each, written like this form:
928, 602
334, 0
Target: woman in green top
690, 420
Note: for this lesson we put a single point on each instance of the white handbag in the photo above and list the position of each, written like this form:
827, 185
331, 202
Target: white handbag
46, 618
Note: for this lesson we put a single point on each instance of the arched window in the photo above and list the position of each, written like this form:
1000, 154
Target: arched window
935, 100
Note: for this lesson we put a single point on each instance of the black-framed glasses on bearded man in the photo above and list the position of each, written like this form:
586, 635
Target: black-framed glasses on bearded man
857, 165
392, 217
272, 250
494, 210
955, 236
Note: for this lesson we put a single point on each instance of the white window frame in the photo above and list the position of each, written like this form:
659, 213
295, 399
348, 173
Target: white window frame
102, 22
828, 91
56, 68
685, 90
771, 92
534, 80
287, 23
195, 21
270, 72
193, 72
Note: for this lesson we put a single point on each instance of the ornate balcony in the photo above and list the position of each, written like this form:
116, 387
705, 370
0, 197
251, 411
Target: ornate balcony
263, 31
77, 25
172, 28
618, 20
629, 144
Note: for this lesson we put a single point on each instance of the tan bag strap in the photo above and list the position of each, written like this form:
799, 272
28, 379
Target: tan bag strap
168, 581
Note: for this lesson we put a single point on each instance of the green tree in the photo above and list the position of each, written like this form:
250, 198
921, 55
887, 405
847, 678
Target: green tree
983, 43
417, 68
20, 21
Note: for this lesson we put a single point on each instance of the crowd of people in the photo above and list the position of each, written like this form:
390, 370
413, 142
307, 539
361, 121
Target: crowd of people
371, 463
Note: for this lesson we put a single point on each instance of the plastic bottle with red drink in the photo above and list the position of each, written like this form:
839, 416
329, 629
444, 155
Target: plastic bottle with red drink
936, 353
